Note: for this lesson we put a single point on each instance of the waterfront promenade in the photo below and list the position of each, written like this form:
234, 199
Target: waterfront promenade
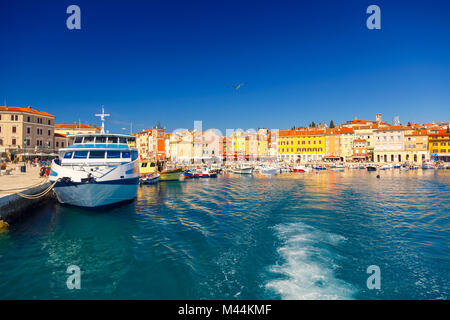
12, 205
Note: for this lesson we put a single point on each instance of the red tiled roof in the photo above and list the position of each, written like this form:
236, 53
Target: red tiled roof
300, 133
60, 135
27, 110
75, 126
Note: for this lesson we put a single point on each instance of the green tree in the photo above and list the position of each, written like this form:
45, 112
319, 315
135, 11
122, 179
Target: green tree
332, 124
313, 124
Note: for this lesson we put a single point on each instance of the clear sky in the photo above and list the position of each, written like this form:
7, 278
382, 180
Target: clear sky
174, 61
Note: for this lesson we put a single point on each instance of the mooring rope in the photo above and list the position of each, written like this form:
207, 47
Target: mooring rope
38, 195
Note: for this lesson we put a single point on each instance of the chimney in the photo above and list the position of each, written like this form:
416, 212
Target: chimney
378, 118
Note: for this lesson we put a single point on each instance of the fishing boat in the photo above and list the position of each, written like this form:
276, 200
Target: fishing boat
205, 173
96, 170
371, 167
242, 169
166, 173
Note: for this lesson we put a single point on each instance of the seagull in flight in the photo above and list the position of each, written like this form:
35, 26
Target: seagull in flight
237, 86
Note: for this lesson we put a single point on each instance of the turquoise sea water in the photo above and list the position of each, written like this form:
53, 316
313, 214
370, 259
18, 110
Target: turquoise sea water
291, 236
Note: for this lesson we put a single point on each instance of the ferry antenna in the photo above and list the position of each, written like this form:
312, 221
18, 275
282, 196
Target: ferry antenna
102, 117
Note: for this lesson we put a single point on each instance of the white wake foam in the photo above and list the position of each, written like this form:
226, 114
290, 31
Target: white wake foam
307, 268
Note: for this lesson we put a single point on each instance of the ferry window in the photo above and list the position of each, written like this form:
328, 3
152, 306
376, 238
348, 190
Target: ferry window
112, 140
152, 165
78, 139
113, 155
100, 140
80, 155
123, 140
97, 155
134, 155
68, 155
89, 139
126, 154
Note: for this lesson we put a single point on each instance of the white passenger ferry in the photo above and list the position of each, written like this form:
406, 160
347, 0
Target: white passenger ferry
96, 170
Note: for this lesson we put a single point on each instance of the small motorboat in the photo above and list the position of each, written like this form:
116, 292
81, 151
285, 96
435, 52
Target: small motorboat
242, 169
427, 164
188, 174
300, 169
269, 170
371, 167
149, 179
320, 168
385, 167
206, 173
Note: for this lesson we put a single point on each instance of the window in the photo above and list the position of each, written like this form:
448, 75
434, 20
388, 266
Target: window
1, 142
126, 154
144, 165
57, 144
78, 139
28, 142
28, 130
80, 155
112, 140
113, 155
62, 144
14, 129
13, 142
100, 140
122, 140
49, 122
89, 139
97, 155
28, 119
49, 132
12, 117
68, 155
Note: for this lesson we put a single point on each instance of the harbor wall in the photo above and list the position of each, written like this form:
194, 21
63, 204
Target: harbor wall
14, 206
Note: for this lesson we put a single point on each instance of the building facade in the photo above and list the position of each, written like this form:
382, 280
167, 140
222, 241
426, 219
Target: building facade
26, 132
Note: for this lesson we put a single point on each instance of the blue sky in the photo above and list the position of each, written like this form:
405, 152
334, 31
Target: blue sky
174, 61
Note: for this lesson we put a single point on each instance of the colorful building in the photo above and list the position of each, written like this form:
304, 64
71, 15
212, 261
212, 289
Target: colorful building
416, 146
76, 128
439, 145
390, 144
301, 146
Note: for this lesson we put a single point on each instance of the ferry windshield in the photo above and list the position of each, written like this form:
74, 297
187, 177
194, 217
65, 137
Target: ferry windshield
68, 155
78, 139
100, 140
97, 155
113, 155
80, 155
89, 139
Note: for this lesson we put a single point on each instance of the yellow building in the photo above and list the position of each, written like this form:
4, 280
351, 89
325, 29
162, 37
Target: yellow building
439, 145
416, 146
332, 145
301, 146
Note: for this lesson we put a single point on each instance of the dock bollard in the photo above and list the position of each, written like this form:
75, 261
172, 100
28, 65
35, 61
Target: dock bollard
3, 225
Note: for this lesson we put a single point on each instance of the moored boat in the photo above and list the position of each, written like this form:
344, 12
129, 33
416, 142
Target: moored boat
300, 169
371, 167
242, 169
96, 170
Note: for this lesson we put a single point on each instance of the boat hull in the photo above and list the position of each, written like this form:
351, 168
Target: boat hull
92, 195
172, 176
